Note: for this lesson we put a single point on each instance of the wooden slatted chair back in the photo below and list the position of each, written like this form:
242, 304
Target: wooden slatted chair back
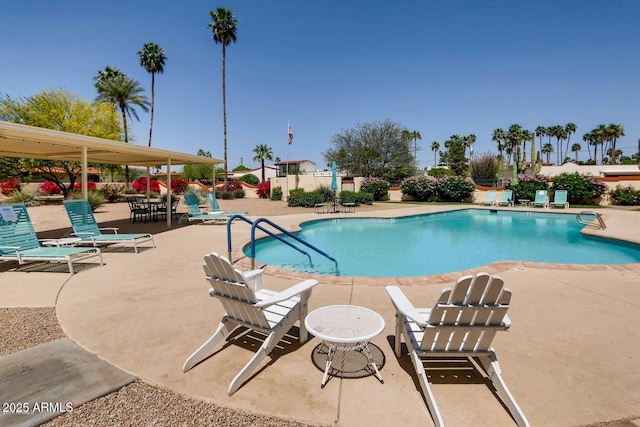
467, 317
236, 296
19, 233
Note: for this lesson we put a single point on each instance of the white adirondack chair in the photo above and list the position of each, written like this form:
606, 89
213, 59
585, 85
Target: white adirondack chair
273, 313
462, 323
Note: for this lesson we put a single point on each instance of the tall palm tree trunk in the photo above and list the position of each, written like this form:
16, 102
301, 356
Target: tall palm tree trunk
153, 99
224, 112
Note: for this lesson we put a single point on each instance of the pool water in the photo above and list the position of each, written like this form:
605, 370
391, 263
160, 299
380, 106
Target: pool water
441, 243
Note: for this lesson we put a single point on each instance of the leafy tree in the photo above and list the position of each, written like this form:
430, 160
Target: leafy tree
224, 27
63, 111
372, 149
263, 152
484, 167
199, 171
454, 157
152, 58
118, 89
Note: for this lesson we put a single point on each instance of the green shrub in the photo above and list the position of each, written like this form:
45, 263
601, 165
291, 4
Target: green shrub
250, 179
527, 186
25, 197
625, 196
94, 197
226, 195
440, 172
325, 192
581, 189
454, 188
299, 197
359, 198
484, 167
376, 186
112, 192
276, 194
238, 194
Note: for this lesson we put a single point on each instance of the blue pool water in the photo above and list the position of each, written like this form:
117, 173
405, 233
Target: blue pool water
441, 243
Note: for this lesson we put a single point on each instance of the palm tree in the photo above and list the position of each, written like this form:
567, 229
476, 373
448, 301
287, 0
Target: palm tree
224, 27
601, 136
575, 148
152, 58
117, 88
499, 137
590, 139
263, 152
615, 132
547, 149
569, 129
435, 146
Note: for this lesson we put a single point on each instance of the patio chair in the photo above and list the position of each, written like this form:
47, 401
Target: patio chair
490, 198
215, 207
273, 313
560, 199
19, 242
195, 214
461, 324
138, 210
541, 200
86, 228
506, 199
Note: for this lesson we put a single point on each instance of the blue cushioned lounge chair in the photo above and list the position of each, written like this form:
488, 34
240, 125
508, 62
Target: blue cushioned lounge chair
195, 214
86, 228
540, 200
490, 198
506, 199
215, 207
19, 242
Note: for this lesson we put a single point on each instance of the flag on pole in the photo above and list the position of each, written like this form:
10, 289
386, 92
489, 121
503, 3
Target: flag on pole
290, 134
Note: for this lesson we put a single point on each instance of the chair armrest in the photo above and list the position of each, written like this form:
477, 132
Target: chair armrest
288, 293
15, 249
114, 230
404, 306
256, 276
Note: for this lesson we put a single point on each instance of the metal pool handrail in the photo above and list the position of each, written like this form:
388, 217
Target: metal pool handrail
255, 224
585, 222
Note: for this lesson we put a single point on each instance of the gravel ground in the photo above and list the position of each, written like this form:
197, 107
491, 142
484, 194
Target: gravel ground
137, 404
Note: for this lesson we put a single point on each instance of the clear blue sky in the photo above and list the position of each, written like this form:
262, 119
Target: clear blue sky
441, 68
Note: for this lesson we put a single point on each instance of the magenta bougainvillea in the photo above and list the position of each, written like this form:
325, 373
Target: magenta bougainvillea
50, 187
140, 185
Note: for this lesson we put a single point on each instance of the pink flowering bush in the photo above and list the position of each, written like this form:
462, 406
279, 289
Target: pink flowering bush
376, 186
50, 188
422, 188
527, 186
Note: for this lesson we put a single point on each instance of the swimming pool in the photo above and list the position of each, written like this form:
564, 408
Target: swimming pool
441, 243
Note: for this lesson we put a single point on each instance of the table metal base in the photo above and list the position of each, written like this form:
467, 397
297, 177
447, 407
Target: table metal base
363, 347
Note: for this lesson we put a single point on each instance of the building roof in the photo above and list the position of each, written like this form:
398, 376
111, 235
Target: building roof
293, 162
595, 170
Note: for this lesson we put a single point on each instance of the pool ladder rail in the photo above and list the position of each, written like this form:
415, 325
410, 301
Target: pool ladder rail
256, 225
584, 221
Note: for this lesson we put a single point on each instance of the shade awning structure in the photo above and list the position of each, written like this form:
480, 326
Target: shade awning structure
30, 142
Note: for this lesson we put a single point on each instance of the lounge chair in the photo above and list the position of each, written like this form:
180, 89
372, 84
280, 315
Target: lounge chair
215, 207
85, 227
195, 214
273, 313
506, 199
19, 242
541, 200
559, 199
490, 198
461, 324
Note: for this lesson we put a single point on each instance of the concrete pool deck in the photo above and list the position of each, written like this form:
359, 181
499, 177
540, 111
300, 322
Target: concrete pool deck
570, 357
